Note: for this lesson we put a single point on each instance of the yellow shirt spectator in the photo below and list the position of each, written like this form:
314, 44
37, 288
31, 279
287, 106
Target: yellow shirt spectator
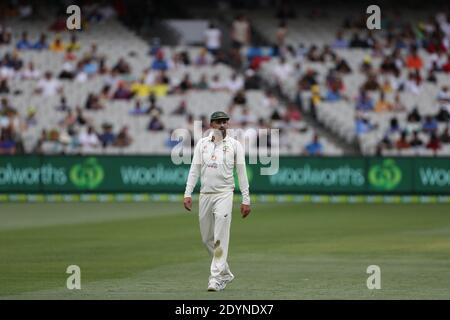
141, 89
57, 45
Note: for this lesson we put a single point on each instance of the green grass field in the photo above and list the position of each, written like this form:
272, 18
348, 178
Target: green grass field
281, 251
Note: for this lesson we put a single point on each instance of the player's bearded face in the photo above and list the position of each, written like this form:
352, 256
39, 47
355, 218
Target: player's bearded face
220, 127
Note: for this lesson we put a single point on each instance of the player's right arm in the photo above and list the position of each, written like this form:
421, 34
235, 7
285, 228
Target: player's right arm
194, 173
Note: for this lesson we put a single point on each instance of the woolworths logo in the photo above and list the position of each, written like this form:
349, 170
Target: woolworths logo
386, 175
87, 175
434, 177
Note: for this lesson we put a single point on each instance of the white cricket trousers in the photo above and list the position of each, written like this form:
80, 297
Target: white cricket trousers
215, 221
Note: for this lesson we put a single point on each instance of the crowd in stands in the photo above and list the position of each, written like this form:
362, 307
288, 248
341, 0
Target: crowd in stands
83, 62
400, 59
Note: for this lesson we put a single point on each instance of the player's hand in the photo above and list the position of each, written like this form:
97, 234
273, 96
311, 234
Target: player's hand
245, 210
188, 203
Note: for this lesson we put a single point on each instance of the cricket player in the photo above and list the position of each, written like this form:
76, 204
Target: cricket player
214, 159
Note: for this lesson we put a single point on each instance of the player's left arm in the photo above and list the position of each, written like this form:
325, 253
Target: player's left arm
242, 178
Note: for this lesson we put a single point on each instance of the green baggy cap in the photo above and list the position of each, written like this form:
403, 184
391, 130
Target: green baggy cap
219, 115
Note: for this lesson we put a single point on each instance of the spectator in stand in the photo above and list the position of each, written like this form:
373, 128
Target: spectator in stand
63, 106
398, 104
443, 98
414, 61
159, 64
57, 45
446, 66
442, 115
29, 72
282, 71
394, 126
5, 35
416, 141
69, 120
402, 142
81, 119
216, 84
358, 42
7, 143
181, 109
430, 125
240, 32
202, 58
445, 136
292, 114
314, 148
48, 86
335, 86
93, 102
154, 108
140, 89
413, 84
341, 65
4, 87
74, 44
364, 102
239, 100
122, 67
434, 143
107, 137
371, 83
414, 116
235, 83
213, 39
382, 104
24, 43
362, 125
315, 100
122, 92
68, 71
90, 67
281, 35
89, 139
185, 84
308, 80
123, 138
105, 93
340, 42
138, 110
314, 54
155, 124
41, 44
203, 83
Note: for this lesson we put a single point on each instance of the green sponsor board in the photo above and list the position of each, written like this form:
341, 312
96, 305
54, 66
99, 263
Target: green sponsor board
19, 174
432, 175
315, 175
388, 175
302, 175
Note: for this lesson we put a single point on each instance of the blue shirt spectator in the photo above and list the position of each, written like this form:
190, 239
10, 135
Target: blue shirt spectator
90, 67
160, 65
314, 148
339, 42
41, 44
430, 125
364, 102
138, 110
24, 44
362, 126
107, 137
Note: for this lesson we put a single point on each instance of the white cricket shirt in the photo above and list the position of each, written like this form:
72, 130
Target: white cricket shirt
214, 162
